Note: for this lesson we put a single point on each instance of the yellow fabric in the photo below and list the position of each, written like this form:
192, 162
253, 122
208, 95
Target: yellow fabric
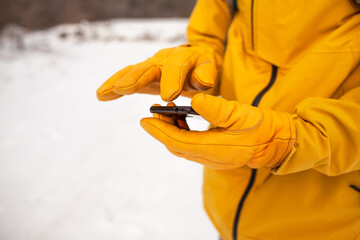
242, 135
316, 47
166, 73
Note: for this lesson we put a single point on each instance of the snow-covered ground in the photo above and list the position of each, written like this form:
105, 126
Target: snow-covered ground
74, 168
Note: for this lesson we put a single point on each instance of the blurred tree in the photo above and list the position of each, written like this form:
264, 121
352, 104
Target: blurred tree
35, 14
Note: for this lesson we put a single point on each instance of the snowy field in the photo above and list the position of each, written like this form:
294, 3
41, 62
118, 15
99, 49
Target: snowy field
74, 168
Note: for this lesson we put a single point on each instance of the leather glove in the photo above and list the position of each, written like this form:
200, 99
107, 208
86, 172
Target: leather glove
241, 135
169, 72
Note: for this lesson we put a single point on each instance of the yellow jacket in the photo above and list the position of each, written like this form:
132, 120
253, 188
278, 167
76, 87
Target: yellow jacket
300, 57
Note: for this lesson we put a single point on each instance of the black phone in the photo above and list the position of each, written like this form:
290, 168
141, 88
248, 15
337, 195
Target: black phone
173, 110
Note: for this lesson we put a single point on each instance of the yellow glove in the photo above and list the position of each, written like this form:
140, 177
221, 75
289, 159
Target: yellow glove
242, 135
169, 72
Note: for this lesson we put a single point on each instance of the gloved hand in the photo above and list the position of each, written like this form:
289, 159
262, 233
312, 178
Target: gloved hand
169, 72
177, 120
242, 135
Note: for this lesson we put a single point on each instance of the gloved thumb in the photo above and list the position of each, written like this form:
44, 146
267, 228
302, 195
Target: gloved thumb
226, 114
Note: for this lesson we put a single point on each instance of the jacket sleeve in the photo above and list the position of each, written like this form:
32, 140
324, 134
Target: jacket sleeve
208, 26
328, 136
209, 23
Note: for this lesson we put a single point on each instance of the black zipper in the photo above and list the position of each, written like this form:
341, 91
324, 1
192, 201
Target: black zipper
242, 201
256, 101
235, 5
355, 188
251, 182
252, 25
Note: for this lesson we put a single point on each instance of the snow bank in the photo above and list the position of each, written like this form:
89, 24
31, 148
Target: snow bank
72, 167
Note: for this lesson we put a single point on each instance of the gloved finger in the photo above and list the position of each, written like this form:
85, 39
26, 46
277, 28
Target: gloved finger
204, 74
199, 144
138, 78
226, 114
174, 72
179, 120
105, 91
165, 118
169, 134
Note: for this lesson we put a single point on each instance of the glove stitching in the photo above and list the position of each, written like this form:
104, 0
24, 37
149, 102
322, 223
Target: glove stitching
179, 154
104, 93
278, 163
215, 144
181, 73
137, 81
242, 131
208, 61
291, 135
195, 158
198, 78
252, 157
